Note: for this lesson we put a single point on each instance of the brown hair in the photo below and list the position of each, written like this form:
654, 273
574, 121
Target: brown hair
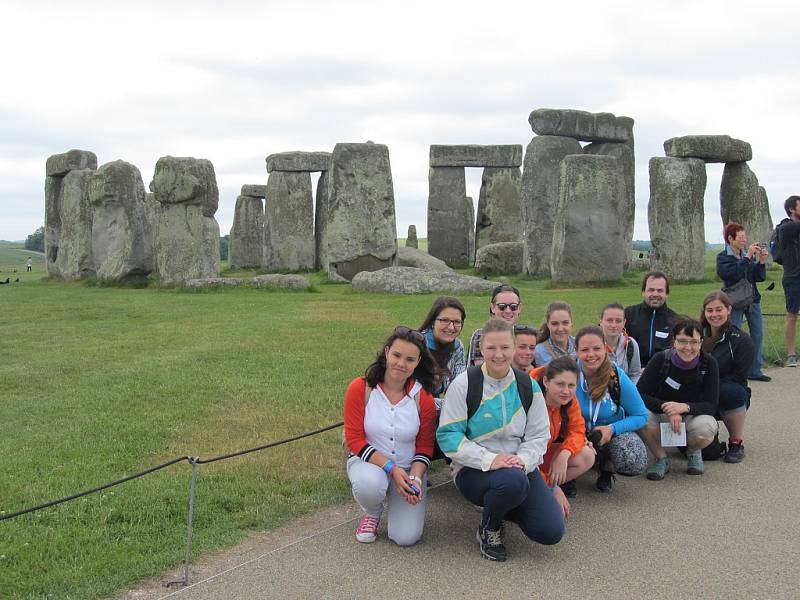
597, 382
710, 297
562, 364
544, 330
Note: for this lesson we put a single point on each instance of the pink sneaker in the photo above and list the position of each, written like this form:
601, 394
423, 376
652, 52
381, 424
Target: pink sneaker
367, 529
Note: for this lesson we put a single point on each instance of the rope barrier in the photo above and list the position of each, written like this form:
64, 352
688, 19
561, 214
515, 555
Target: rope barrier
192, 461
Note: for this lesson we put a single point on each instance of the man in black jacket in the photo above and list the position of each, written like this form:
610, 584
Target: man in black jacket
650, 322
789, 242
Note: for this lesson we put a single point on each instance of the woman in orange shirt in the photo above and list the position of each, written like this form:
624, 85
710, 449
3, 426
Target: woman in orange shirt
568, 455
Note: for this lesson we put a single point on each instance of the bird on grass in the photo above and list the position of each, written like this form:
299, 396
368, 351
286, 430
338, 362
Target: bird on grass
8, 280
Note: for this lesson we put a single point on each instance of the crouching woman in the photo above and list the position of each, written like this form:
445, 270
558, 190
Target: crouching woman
494, 426
389, 429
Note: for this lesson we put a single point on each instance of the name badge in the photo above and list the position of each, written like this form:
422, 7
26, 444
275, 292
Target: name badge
662, 334
672, 383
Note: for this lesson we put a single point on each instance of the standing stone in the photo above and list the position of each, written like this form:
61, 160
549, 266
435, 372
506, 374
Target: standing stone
122, 240
623, 152
187, 246
361, 230
588, 231
581, 125
151, 210
540, 196
246, 247
75, 254
57, 166
676, 217
499, 213
289, 222
321, 221
450, 220
411, 238
743, 201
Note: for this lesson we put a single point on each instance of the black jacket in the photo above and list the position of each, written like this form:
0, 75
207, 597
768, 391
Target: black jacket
789, 239
650, 328
699, 388
734, 352
731, 269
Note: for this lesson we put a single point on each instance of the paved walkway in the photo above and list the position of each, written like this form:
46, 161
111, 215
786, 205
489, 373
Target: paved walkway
732, 533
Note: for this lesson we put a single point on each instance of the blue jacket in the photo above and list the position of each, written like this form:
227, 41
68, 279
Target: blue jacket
630, 415
732, 268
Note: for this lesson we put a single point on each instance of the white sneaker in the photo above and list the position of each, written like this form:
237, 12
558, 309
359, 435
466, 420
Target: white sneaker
367, 529
791, 360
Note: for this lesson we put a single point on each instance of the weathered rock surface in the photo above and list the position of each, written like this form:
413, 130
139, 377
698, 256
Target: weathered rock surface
499, 213
581, 125
123, 245
408, 280
710, 148
74, 257
624, 153
411, 238
503, 257
186, 180
541, 181
289, 222
289, 282
254, 190
214, 282
361, 231
450, 216
299, 161
246, 247
59, 165
676, 216
151, 210
743, 201
473, 155
321, 221
588, 232
187, 246
408, 256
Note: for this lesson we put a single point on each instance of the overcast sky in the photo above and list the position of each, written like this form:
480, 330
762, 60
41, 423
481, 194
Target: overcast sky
236, 81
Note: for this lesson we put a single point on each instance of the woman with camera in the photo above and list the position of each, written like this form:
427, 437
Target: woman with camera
389, 429
739, 271
612, 408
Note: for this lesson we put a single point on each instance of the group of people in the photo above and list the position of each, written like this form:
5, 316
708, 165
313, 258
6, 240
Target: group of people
524, 411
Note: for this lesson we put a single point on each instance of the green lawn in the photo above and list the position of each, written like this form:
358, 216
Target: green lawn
100, 382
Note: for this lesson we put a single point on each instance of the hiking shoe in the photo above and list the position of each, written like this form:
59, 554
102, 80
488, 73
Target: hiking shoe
695, 466
367, 529
570, 489
735, 453
491, 543
762, 377
659, 469
605, 482
791, 360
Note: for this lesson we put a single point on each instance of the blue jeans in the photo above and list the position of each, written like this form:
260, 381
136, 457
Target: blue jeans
510, 494
755, 323
733, 398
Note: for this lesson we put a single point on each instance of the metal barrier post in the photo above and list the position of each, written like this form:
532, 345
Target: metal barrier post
185, 581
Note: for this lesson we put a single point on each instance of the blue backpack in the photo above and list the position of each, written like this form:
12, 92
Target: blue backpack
775, 245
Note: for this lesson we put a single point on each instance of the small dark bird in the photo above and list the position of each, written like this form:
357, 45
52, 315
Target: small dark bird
771, 286
16, 280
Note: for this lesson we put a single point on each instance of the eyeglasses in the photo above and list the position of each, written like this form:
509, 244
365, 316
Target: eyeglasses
448, 322
513, 307
692, 343
402, 330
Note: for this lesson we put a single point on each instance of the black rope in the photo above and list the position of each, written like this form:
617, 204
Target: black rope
167, 464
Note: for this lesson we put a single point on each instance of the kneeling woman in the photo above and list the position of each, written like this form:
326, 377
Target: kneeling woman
568, 454
389, 428
612, 408
494, 427
680, 385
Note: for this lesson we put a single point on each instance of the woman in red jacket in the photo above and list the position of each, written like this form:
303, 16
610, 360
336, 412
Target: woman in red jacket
389, 428
568, 454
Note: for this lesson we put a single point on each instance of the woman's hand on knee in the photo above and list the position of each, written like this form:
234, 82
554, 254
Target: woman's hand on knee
507, 461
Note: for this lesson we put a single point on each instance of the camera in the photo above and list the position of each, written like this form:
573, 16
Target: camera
594, 436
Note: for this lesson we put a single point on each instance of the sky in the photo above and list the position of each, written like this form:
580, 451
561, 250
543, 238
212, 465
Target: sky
234, 82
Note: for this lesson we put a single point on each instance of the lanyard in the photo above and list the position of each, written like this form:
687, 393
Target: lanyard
594, 412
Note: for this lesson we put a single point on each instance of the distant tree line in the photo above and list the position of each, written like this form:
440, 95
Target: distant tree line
224, 243
35, 241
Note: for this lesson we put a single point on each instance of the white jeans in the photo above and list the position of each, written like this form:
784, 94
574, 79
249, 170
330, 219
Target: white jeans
371, 486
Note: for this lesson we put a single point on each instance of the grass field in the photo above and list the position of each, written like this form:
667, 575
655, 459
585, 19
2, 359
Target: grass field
102, 382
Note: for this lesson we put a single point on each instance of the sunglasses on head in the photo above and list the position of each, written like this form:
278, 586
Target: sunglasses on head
513, 306
524, 329
413, 333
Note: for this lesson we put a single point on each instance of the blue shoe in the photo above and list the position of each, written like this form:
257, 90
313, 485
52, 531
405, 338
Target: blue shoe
695, 466
658, 470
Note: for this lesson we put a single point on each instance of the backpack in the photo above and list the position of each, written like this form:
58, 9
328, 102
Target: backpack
629, 351
775, 245
475, 389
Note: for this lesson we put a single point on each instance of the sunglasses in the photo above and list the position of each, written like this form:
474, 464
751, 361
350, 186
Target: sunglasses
402, 330
524, 329
513, 307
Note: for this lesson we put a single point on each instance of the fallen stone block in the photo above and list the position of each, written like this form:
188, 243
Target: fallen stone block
408, 256
502, 257
408, 280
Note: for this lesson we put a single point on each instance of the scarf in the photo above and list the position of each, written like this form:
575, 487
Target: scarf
682, 364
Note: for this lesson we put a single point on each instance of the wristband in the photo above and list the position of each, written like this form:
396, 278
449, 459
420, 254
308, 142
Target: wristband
415, 478
389, 466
